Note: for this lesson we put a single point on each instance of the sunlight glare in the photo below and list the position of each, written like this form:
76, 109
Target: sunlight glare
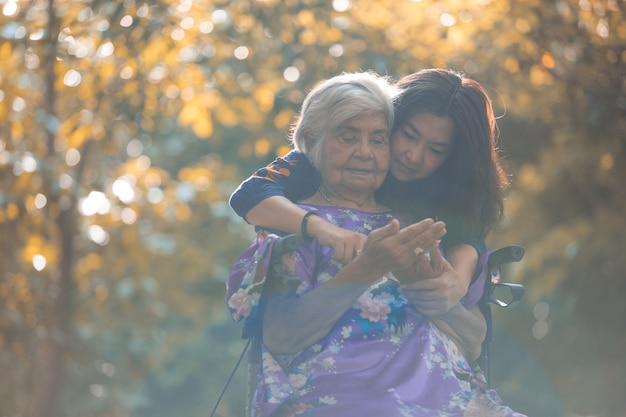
98, 391
603, 28
10, 9
465, 16
95, 203
65, 181
37, 35
19, 104
39, 262
72, 78
154, 195
336, 50
143, 162
40, 201
206, 27
126, 73
184, 6
72, 157
187, 23
143, 10
342, 5
98, 235
123, 189
219, 16
157, 74
447, 19
185, 192
128, 215
134, 148
29, 163
105, 50
126, 21
177, 34
241, 52
291, 74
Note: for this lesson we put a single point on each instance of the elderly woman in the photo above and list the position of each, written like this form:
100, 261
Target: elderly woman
344, 341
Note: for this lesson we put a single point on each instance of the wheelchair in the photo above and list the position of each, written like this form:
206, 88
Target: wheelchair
496, 292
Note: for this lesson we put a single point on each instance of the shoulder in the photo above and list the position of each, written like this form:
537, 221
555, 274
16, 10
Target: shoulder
296, 157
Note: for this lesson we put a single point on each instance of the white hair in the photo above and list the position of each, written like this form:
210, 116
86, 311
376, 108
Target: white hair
336, 100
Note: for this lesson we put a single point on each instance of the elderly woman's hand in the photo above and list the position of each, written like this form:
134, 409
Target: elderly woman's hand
391, 248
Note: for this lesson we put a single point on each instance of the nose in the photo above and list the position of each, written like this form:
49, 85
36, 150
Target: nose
415, 155
363, 149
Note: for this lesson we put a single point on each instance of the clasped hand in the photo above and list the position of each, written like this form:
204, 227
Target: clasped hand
430, 283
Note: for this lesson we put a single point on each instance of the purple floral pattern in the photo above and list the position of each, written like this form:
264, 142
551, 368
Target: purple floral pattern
382, 358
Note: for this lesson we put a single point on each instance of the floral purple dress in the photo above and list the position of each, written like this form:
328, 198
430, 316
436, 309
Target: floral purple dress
382, 358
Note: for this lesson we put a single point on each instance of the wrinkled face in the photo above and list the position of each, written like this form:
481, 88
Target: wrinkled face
355, 155
420, 146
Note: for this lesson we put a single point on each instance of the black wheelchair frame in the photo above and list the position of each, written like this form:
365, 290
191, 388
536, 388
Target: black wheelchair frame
501, 294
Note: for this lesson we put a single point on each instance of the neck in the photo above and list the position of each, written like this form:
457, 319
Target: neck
364, 203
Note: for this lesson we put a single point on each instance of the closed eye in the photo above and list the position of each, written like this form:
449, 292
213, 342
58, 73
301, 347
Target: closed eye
408, 135
347, 139
379, 140
438, 151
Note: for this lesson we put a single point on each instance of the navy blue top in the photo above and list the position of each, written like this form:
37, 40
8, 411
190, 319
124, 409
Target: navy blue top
294, 178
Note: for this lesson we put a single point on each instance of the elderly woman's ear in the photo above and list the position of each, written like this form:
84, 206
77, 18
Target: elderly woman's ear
311, 150
309, 139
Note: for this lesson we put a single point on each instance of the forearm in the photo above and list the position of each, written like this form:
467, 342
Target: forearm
277, 213
293, 324
467, 328
463, 259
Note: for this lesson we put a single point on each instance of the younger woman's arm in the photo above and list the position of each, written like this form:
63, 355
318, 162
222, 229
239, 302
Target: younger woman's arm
266, 199
439, 297
292, 177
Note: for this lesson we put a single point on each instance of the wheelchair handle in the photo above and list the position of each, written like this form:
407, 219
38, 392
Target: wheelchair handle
285, 245
505, 255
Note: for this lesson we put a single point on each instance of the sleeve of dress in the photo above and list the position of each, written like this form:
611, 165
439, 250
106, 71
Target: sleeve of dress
478, 244
248, 277
477, 287
292, 177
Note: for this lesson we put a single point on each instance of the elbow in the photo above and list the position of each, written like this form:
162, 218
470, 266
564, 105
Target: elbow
237, 204
278, 335
279, 341
473, 353
479, 330
476, 350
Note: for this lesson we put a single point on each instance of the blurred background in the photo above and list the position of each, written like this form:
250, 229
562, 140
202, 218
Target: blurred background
125, 125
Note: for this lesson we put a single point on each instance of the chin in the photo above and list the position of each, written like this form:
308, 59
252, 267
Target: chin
401, 176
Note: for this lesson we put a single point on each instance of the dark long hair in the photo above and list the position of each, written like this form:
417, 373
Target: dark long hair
467, 190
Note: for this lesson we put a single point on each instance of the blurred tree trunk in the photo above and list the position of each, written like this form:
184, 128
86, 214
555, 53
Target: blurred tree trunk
48, 371
49, 365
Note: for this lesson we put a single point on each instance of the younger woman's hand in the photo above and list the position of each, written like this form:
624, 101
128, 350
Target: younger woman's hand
439, 288
346, 244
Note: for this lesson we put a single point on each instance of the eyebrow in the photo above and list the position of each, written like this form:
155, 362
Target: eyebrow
416, 131
351, 128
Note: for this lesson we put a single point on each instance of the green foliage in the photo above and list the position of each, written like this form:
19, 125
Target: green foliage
125, 125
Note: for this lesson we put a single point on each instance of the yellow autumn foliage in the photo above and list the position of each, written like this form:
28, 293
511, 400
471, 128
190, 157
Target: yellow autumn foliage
149, 82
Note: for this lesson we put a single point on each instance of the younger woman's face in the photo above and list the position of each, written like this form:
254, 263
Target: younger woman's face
420, 146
